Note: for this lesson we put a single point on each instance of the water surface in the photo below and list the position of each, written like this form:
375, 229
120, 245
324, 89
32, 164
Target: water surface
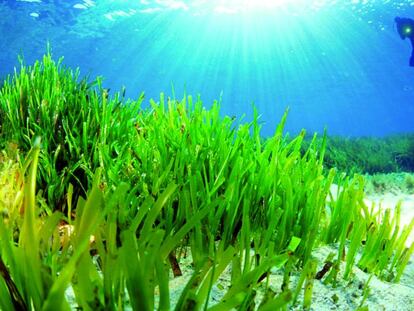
335, 64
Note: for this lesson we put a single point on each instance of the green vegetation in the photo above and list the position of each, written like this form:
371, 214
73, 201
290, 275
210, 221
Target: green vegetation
109, 196
369, 155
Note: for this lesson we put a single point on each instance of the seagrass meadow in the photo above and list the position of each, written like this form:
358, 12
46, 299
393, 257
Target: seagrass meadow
105, 199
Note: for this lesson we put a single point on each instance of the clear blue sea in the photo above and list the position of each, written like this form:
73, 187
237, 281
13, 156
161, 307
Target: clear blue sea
335, 64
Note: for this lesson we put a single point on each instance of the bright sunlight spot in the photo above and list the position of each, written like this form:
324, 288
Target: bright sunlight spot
256, 3
250, 5
266, 6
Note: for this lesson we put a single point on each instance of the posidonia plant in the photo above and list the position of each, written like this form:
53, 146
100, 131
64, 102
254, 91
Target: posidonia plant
135, 187
370, 155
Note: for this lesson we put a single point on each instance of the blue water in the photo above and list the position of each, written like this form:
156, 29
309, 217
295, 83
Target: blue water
335, 64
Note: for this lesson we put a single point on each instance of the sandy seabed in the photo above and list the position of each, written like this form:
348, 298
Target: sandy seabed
382, 295
346, 295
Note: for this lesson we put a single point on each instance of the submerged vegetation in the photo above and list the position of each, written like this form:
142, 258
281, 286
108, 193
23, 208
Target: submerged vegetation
370, 155
105, 198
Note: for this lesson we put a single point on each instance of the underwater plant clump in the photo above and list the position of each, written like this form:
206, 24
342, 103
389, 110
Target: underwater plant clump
137, 187
370, 155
